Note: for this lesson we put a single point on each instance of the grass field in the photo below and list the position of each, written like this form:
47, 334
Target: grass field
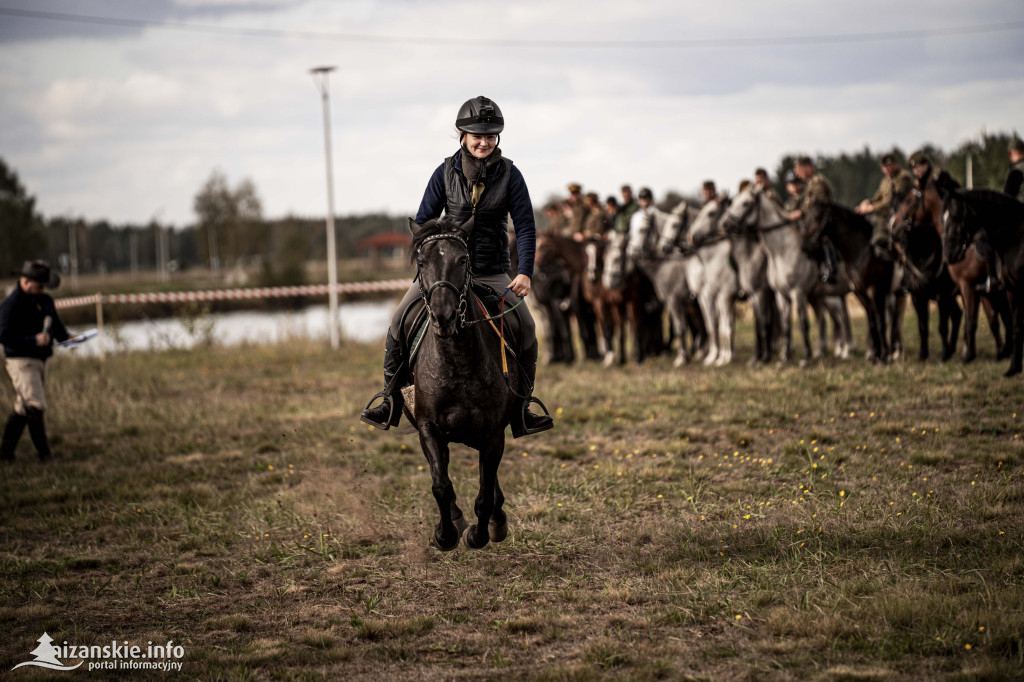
839, 522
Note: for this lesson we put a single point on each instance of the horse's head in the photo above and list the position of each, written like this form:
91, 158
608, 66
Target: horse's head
616, 264
676, 223
706, 222
640, 232
441, 251
956, 227
817, 223
905, 211
743, 214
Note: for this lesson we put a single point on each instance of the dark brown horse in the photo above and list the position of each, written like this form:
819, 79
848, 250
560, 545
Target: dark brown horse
870, 276
918, 239
462, 394
919, 216
966, 216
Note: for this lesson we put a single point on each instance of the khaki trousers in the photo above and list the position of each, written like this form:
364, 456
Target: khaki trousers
28, 376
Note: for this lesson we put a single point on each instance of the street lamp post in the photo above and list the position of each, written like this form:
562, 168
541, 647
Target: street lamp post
321, 76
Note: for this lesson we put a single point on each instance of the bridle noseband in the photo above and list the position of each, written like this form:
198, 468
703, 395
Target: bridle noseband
426, 293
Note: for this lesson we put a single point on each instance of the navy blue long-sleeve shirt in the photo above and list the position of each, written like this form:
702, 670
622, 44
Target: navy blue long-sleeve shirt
520, 208
21, 318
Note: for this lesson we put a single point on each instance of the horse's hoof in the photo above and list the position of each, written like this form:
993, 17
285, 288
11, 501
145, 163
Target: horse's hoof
468, 535
802, 364
497, 532
436, 541
1012, 372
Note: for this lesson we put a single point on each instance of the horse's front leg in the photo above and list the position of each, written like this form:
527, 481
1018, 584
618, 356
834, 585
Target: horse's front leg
921, 307
452, 523
477, 535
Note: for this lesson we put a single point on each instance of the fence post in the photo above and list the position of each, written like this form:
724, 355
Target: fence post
99, 326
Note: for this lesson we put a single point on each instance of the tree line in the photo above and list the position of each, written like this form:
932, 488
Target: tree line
231, 231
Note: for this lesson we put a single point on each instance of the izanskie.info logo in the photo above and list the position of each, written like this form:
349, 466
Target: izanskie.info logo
113, 656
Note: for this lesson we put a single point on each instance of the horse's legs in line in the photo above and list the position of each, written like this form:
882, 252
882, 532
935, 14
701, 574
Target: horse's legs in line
970, 319
497, 527
921, 304
817, 305
726, 324
801, 303
948, 302
677, 314
604, 323
710, 312
896, 305
1002, 309
763, 324
989, 306
874, 341
477, 535
879, 297
1016, 300
785, 325
449, 528
619, 324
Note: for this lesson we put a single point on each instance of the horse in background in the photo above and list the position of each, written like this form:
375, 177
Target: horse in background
667, 272
870, 276
792, 275
713, 279
967, 212
461, 393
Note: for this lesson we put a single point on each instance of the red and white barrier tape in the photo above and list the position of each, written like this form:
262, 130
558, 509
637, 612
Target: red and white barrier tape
236, 294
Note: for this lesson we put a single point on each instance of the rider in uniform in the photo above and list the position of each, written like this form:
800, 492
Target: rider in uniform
896, 181
817, 188
1014, 185
478, 182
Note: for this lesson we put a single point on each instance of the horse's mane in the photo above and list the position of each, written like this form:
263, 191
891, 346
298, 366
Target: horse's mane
851, 217
429, 229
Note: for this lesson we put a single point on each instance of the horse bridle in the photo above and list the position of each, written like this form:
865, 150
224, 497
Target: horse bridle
755, 228
426, 293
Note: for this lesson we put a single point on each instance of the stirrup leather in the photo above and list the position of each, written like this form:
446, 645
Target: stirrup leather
393, 418
518, 425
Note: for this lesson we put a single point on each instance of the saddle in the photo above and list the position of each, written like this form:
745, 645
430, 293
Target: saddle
415, 322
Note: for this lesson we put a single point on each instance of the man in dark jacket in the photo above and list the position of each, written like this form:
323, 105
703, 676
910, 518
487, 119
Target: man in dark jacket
28, 326
1014, 185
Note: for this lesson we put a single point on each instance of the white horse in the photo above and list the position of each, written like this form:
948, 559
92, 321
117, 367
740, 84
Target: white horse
714, 281
666, 269
792, 274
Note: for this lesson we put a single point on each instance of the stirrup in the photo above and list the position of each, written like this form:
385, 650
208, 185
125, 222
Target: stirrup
519, 428
394, 416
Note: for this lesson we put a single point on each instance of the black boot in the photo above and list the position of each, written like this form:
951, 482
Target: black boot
37, 430
524, 422
389, 412
830, 260
12, 434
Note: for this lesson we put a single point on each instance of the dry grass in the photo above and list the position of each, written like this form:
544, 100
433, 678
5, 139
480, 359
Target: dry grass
842, 522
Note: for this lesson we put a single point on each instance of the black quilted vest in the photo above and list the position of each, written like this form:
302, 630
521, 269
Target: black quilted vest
488, 245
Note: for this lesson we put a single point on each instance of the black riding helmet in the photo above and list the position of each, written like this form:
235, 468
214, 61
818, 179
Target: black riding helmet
480, 116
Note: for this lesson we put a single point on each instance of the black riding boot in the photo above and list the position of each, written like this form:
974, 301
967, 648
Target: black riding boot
525, 422
12, 434
389, 412
830, 259
37, 430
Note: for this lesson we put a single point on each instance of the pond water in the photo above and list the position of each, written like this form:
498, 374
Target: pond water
361, 321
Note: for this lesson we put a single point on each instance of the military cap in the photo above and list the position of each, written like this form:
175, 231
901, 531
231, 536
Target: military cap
645, 193
1016, 145
574, 187
791, 177
887, 159
919, 157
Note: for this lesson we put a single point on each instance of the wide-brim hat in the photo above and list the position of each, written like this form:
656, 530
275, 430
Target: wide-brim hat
39, 272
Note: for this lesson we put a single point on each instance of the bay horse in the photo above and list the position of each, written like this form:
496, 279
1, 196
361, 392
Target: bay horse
964, 214
792, 275
462, 393
870, 276
916, 225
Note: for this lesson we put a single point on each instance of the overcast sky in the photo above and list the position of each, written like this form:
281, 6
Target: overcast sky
126, 121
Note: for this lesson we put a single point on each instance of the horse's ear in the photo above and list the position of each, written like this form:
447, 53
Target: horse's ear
467, 227
414, 227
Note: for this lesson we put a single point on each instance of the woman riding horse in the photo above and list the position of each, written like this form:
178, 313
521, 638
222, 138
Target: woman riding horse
475, 182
